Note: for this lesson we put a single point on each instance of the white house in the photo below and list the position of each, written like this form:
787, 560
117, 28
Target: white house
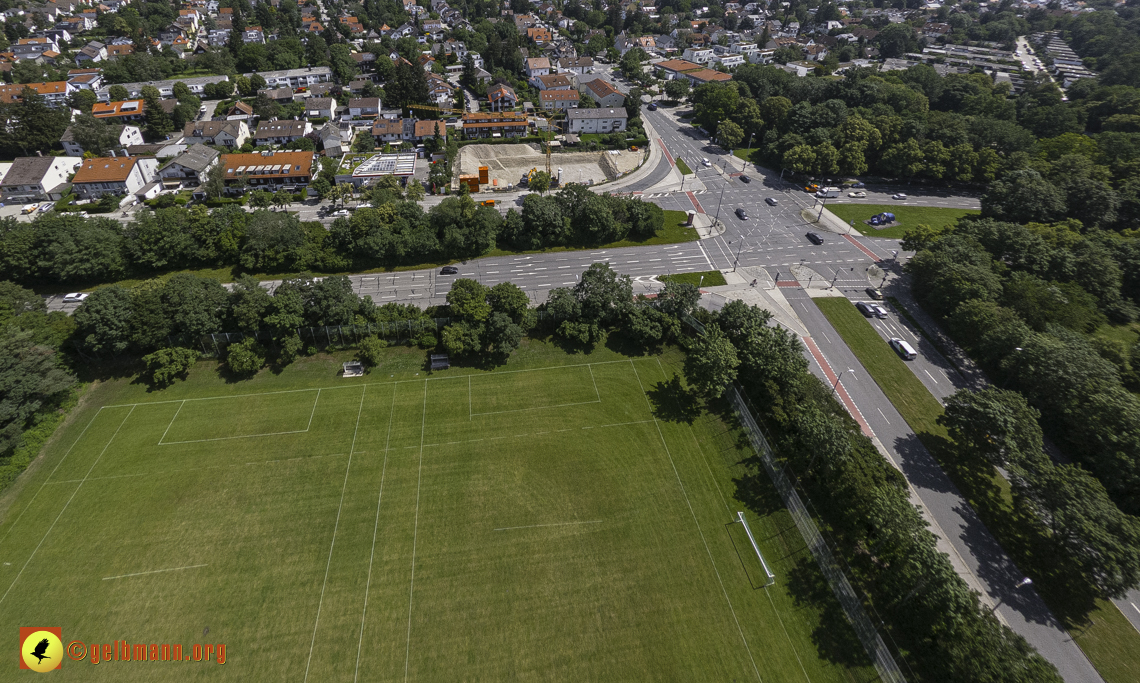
697, 55
128, 135
36, 178
191, 167
602, 120
537, 66
113, 175
218, 133
296, 78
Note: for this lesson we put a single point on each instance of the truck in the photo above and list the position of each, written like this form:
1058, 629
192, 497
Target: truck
828, 192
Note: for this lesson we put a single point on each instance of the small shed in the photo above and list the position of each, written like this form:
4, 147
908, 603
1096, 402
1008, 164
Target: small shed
439, 361
353, 368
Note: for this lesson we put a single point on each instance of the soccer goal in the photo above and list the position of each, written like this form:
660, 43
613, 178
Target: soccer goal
771, 576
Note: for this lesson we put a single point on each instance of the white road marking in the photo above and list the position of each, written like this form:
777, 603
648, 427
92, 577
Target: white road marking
884, 416
930, 375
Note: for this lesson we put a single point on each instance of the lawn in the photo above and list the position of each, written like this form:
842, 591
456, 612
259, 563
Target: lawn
574, 525
710, 278
906, 217
683, 167
1109, 640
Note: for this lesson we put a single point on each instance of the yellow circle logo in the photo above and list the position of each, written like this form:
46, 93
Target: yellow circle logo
42, 651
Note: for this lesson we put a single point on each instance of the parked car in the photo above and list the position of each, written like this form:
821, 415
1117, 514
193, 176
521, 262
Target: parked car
741, 214
745, 179
859, 184
339, 214
906, 351
857, 195
449, 270
75, 297
771, 201
900, 195
874, 293
814, 238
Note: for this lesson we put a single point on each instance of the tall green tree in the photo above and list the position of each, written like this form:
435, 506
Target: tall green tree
710, 365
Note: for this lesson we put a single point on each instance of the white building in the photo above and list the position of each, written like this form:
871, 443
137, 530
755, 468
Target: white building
296, 78
602, 120
36, 178
128, 135
113, 175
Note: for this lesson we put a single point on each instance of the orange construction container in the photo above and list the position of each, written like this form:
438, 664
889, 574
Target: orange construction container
484, 172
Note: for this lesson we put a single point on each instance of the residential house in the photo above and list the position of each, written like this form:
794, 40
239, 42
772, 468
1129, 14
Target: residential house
123, 175
702, 76
552, 82
332, 142
319, 107
127, 135
31, 179
428, 128
165, 89
280, 132
537, 66
55, 94
729, 61
539, 34
279, 95
676, 68
558, 100
91, 53
114, 51
119, 112
219, 37
216, 133
364, 107
253, 34
495, 125
240, 112
604, 120
603, 92
30, 48
267, 171
442, 92
365, 61
697, 56
482, 76
581, 65
296, 78
85, 79
191, 167
502, 97
388, 130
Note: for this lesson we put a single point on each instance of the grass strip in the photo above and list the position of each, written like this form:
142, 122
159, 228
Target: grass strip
683, 167
1106, 637
706, 278
905, 217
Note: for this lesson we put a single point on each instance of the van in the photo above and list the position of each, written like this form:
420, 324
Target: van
903, 349
30, 208
828, 192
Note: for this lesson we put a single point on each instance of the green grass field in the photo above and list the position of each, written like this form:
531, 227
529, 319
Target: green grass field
564, 517
906, 217
1102, 632
711, 278
682, 166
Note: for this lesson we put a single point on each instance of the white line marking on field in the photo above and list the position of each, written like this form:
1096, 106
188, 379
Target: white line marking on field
49, 481
65, 505
415, 536
161, 473
172, 419
596, 392
156, 571
692, 512
375, 528
229, 438
797, 654
332, 544
523, 410
702, 452
536, 526
314, 412
470, 415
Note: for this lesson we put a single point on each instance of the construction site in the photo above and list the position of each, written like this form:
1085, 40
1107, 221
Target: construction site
504, 167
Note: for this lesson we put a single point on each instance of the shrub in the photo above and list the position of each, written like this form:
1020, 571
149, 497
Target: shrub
167, 365
372, 350
291, 347
246, 357
426, 340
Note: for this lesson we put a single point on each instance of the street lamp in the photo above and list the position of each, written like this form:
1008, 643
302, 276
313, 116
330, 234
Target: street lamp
1020, 584
835, 387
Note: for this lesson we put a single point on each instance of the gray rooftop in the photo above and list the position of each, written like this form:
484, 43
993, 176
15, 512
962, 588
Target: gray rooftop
580, 113
197, 157
28, 171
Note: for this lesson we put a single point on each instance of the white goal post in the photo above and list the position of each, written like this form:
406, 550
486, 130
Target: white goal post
771, 577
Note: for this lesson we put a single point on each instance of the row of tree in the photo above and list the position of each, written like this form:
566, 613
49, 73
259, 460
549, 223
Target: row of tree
1025, 301
942, 630
62, 248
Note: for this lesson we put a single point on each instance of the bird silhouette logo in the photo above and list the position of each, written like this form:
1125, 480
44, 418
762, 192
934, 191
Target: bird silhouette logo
41, 649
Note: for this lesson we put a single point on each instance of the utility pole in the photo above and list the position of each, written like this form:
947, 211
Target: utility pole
719, 201
736, 260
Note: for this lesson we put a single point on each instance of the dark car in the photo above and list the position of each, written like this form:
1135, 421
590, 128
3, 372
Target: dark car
858, 185
771, 201
865, 309
449, 270
741, 214
745, 179
814, 238
874, 293
652, 106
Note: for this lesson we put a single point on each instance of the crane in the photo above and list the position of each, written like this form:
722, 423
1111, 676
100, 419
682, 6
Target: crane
549, 116
428, 107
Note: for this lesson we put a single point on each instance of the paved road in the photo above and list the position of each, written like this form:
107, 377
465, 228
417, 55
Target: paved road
1021, 608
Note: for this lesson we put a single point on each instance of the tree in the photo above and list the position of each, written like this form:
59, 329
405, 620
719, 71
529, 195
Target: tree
249, 303
895, 40
996, 424
461, 339
94, 135
1102, 541
678, 298
1023, 197
31, 377
467, 300
507, 298
677, 88
260, 199
710, 365
167, 365
118, 93
415, 191
282, 199
372, 351
272, 240
158, 122
730, 135
215, 185
501, 335
246, 357
540, 182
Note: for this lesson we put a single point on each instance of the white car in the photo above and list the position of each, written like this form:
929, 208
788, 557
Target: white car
706, 162
339, 214
75, 297
857, 195
898, 196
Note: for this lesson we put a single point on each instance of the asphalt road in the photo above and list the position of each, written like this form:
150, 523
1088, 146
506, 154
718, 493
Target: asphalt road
1021, 608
